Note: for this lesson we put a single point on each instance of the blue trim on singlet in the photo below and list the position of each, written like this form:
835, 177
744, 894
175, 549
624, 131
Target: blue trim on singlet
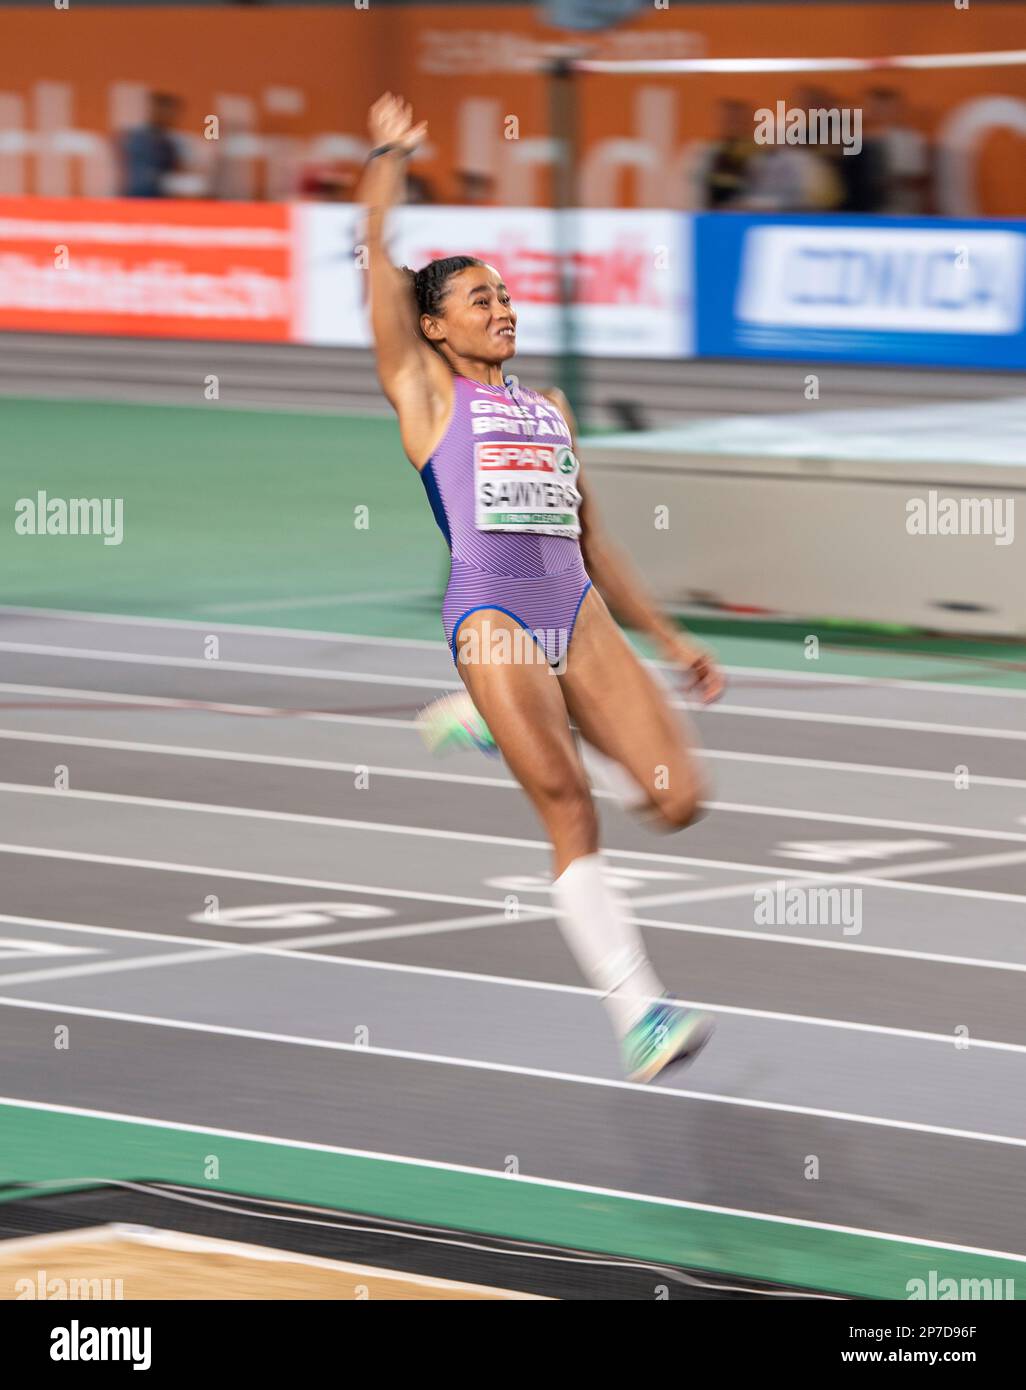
427, 474
573, 620
480, 607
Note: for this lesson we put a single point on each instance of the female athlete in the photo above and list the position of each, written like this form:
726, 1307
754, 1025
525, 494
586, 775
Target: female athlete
529, 556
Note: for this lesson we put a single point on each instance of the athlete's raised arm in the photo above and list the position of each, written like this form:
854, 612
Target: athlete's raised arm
624, 590
404, 360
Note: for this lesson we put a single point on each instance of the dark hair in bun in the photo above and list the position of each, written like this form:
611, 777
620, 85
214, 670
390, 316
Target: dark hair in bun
430, 284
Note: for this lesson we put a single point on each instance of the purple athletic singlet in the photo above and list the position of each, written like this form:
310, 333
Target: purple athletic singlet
502, 486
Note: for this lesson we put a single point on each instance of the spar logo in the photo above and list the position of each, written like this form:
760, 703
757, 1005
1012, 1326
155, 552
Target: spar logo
565, 461
535, 458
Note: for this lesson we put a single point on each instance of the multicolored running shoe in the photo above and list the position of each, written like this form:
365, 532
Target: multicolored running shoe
665, 1033
453, 723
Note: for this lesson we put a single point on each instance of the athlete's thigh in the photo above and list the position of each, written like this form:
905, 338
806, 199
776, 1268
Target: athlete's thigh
522, 703
620, 707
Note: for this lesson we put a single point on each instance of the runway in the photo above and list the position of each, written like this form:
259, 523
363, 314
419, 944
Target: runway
262, 909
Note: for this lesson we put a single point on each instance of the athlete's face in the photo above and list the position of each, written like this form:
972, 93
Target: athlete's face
479, 320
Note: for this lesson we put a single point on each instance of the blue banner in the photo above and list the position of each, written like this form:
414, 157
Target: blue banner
918, 290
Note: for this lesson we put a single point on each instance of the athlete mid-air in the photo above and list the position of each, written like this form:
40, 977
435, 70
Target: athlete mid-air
530, 556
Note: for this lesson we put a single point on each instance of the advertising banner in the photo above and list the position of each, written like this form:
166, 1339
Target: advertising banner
849, 289
631, 271
147, 268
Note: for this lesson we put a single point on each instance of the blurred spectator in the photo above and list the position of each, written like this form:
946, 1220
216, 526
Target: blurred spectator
726, 177
327, 183
418, 190
801, 177
865, 174
149, 152
474, 188
906, 156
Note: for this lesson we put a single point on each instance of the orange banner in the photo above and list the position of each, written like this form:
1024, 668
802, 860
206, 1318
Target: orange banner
290, 89
155, 268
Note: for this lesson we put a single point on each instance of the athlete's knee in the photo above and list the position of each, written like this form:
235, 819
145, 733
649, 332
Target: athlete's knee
565, 798
681, 806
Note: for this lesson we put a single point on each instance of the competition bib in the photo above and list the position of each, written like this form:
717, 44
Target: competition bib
525, 485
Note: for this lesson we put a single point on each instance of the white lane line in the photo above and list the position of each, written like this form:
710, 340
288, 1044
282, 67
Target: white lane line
268, 759
766, 870
202, 951
861, 720
297, 947
170, 702
745, 808
199, 663
320, 601
435, 645
524, 1178
883, 878
432, 683
210, 808
209, 956
327, 765
209, 950
291, 951
879, 769
539, 1073
247, 876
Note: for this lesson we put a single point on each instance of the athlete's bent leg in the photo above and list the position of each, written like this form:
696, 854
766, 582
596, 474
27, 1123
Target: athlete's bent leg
624, 711
524, 708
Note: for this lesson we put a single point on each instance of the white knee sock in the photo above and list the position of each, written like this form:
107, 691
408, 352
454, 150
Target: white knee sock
605, 942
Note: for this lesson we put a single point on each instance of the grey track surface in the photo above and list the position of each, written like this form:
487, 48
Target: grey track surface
290, 376
482, 1040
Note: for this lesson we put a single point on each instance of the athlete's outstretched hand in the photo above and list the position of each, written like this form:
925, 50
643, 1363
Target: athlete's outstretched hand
390, 122
703, 676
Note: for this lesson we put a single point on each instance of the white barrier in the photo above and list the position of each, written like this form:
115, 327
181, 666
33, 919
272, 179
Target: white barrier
904, 516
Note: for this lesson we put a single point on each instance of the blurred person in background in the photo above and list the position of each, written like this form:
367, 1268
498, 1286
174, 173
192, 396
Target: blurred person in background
474, 189
150, 152
418, 190
799, 177
726, 177
327, 183
865, 173
906, 156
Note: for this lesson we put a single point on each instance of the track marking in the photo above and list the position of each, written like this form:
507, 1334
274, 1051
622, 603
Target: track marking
17, 948
830, 765
256, 668
861, 720
210, 808
435, 645
526, 1179
328, 765
319, 601
331, 885
296, 947
434, 683
129, 862
291, 951
883, 878
542, 1074
170, 702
